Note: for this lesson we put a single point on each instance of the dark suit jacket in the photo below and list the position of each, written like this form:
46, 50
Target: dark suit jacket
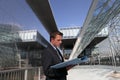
49, 58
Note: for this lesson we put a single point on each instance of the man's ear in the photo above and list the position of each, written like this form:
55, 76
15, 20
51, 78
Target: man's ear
52, 39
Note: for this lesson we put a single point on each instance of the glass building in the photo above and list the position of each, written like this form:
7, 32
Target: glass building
70, 32
101, 14
8, 49
19, 48
70, 35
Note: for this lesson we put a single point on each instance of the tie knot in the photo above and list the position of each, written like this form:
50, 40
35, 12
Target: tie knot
57, 50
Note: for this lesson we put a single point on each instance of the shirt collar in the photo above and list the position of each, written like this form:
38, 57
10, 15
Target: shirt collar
53, 46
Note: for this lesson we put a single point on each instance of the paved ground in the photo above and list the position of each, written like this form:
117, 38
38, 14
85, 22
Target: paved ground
93, 72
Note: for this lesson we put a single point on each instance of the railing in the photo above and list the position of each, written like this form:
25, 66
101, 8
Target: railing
21, 74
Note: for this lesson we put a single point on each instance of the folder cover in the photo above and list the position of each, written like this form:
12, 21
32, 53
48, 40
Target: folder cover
70, 62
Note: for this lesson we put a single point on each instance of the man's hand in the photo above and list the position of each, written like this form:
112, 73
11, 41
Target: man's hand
70, 66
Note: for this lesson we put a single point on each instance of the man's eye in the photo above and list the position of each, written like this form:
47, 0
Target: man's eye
59, 40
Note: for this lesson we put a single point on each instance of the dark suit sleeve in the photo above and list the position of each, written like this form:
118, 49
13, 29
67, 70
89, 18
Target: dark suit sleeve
46, 63
48, 59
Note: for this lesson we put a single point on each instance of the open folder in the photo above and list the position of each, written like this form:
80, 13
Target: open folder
70, 62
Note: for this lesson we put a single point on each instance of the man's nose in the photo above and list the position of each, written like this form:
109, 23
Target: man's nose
60, 41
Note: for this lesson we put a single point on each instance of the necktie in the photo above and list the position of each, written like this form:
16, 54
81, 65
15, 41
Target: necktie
60, 55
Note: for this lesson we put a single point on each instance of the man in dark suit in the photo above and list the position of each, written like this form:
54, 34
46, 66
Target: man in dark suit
51, 56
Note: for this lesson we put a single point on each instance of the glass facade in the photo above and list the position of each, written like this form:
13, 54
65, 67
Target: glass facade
70, 32
28, 35
8, 48
101, 13
108, 50
19, 48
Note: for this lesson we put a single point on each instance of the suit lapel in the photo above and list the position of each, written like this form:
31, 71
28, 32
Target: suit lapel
53, 51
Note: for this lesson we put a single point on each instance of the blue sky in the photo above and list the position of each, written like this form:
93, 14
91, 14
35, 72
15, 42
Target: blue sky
67, 13
70, 12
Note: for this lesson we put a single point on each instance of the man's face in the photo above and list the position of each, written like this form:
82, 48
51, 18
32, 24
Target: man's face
57, 40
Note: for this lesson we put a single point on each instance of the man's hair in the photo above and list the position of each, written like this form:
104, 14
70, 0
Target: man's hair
53, 34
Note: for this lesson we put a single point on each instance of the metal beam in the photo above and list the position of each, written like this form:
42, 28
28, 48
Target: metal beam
44, 13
